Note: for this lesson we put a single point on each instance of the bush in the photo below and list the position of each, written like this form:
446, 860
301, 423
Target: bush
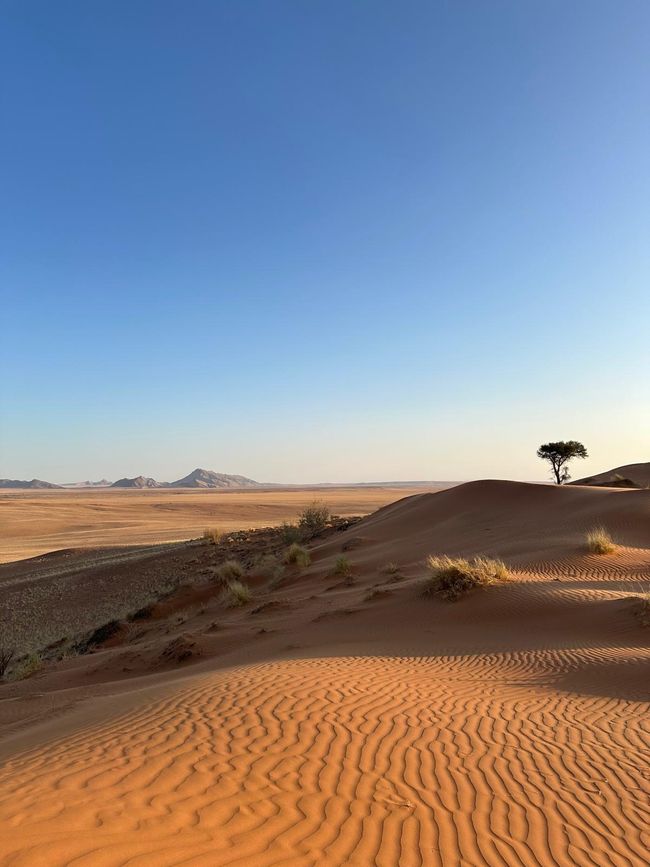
314, 519
290, 533
599, 541
230, 570
212, 535
236, 593
29, 666
342, 567
453, 577
296, 555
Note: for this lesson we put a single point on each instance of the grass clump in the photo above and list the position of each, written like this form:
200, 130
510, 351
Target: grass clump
236, 593
454, 577
296, 555
29, 666
314, 519
599, 541
230, 570
342, 567
643, 609
212, 535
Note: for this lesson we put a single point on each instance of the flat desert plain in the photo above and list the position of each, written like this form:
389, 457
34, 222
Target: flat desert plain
335, 714
35, 522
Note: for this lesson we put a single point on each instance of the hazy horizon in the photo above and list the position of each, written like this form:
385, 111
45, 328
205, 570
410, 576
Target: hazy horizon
323, 242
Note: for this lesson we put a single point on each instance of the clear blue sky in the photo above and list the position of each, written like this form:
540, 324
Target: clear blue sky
330, 240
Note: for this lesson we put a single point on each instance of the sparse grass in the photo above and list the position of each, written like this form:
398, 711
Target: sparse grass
236, 593
212, 535
599, 541
269, 567
454, 577
342, 567
230, 570
28, 667
296, 555
314, 519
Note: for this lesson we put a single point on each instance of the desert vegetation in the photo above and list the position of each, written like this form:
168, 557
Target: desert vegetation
342, 567
559, 454
599, 541
236, 593
212, 535
313, 520
454, 577
230, 570
297, 555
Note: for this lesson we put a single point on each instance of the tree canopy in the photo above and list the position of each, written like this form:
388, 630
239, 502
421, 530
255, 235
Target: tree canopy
559, 454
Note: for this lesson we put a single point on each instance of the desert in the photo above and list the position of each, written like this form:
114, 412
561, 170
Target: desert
241, 698
324, 433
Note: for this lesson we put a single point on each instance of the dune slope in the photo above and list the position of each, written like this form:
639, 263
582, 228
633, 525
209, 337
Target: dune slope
356, 723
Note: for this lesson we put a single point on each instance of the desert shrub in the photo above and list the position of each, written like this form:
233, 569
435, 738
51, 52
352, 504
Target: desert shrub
29, 666
6, 655
290, 533
391, 569
236, 593
230, 570
453, 577
296, 555
314, 519
342, 567
212, 535
599, 541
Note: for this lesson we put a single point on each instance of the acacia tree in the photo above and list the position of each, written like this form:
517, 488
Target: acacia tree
559, 454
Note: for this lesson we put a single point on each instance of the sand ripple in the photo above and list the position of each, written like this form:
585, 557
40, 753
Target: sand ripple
345, 761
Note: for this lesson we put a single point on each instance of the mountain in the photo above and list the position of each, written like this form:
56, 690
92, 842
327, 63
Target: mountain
18, 483
137, 482
208, 479
102, 483
628, 476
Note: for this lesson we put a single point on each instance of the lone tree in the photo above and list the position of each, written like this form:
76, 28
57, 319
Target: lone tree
559, 454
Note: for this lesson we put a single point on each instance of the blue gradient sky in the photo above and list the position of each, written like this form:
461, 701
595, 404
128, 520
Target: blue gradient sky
317, 241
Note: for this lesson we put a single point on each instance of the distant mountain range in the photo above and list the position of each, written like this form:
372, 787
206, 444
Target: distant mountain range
21, 483
198, 478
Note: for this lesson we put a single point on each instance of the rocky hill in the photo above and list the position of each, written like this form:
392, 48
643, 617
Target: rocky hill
21, 483
209, 479
137, 482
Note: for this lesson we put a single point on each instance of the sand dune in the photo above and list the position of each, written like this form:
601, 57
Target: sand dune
355, 723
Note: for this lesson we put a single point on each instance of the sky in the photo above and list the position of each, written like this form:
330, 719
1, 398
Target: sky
323, 241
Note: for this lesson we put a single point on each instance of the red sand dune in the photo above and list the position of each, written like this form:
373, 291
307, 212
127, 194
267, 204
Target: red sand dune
367, 725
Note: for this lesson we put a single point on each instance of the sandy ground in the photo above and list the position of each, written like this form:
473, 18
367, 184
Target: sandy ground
35, 522
353, 722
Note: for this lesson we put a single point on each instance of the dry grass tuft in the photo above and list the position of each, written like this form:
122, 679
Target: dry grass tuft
599, 541
29, 666
296, 555
454, 577
342, 567
236, 593
212, 535
230, 570
269, 568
